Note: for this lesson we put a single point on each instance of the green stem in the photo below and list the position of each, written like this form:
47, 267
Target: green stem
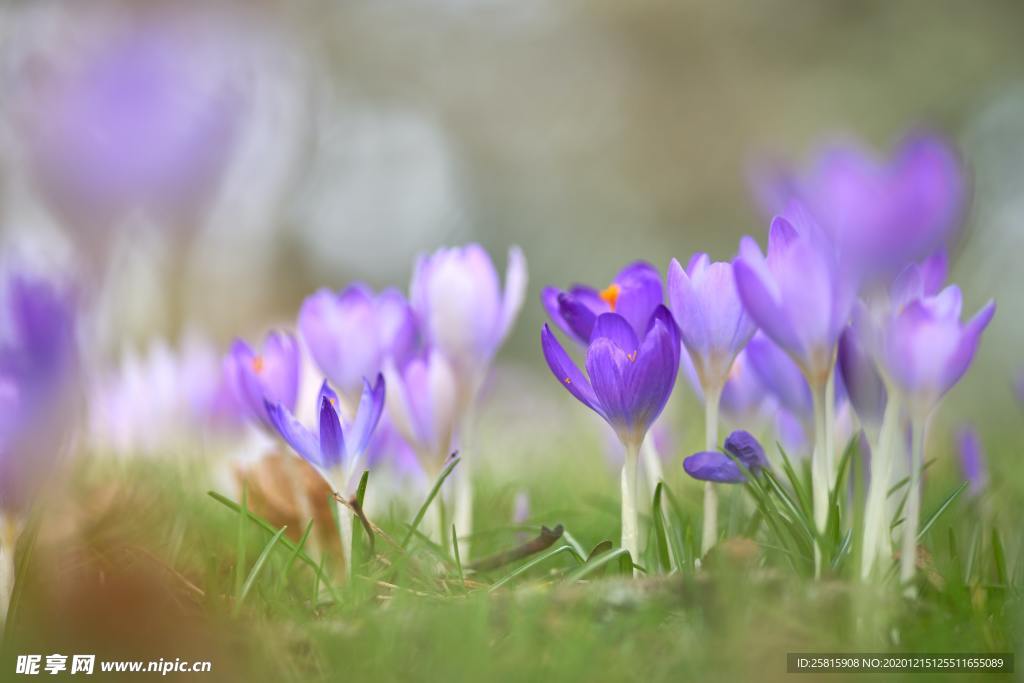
8, 542
709, 535
630, 519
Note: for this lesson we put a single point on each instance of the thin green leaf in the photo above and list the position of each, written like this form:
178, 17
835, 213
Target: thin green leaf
620, 555
939, 510
539, 559
261, 560
430, 498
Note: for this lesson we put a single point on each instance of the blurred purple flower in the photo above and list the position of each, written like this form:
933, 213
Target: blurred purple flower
780, 376
1018, 386
864, 385
883, 214
463, 310
713, 324
272, 375
634, 294
422, 405
628, 379
334, 447
743, 397
926, 350
38, 361
798, 295
919, 280
143, 116
719, 467
351, 333
972, 459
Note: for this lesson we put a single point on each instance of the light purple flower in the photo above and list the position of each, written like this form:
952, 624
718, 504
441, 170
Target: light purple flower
333, 446
143, 115
423, 406
351, 333
719, 467
743, 397
271, 375
712, 322
38, 362
634, 294
884, 214
972, 459
462, 308
628, 378
781, 377
925, 349
864, 385
799, 296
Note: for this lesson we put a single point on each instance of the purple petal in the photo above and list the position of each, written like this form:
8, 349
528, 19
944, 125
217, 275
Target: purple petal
757, 291
748, 450
295, 435
780, 375
515, 289
332, 442
371, 405
615, 329
567, 373
652, 376
713, 466
579, 318
606, 366
972, 459
864, 384
640, 293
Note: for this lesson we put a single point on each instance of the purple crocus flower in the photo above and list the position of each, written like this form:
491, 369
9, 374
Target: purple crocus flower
864, 385
463, 310
799, 295
628, 378
422, 405
142, 115
925, 349
351, 333
333, 446
634, 294
972, 459
272, 375
719, 467
884, 213
38, 360
713, 325
781, 377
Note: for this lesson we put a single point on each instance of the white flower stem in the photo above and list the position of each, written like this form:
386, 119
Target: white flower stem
821, 465
462, 512
709, 534
630, 520
876, 536
9, 530
908, 558
345, 533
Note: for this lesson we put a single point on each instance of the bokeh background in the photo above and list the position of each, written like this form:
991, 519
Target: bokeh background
590, 133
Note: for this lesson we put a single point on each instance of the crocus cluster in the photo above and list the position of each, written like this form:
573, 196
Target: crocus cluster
841, 279
432, 351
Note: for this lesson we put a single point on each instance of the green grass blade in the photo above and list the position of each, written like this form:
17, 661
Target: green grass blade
662, 553
600, 562
938, 511
243, 515
317, 567
458, 558
421, 513
998, 556
543, 557
257, 567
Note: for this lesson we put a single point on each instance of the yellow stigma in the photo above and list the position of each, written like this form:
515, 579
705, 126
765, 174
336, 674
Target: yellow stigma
631, 356
257, 364
610, 294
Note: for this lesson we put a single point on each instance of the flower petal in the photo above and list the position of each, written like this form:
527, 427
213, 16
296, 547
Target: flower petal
294, 433
332, 441
567, 373
713, 466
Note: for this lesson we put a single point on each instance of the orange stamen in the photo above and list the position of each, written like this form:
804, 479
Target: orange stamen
257, 364
610, 294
